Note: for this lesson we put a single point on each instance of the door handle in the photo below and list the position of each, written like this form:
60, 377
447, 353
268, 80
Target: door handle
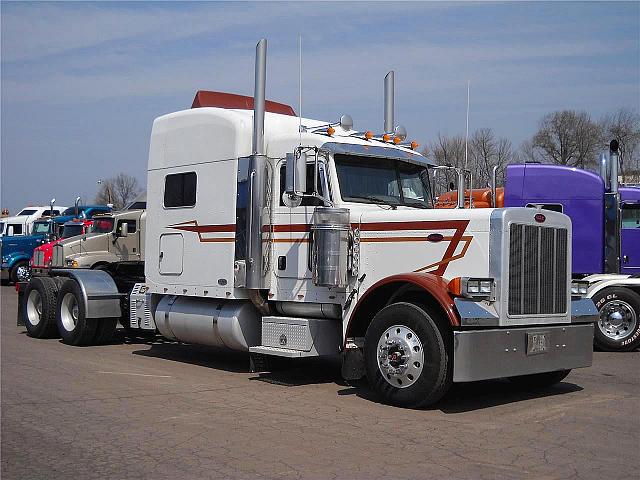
161, 255
625, 258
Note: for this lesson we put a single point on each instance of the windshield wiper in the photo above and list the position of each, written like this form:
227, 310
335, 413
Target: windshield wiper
374, 198
409, 202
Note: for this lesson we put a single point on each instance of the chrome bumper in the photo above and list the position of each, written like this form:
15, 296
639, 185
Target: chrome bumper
496, 353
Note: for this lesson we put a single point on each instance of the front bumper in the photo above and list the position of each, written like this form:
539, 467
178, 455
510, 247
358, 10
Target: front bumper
497, 353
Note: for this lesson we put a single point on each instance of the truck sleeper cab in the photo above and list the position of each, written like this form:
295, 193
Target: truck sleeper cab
264, 238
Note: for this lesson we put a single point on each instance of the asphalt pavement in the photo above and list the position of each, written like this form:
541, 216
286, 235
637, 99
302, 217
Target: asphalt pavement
149, 408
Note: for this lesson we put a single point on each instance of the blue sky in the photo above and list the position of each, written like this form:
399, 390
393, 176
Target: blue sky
82, 82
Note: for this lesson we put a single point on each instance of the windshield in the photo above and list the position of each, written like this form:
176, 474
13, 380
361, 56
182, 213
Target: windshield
27, 211
40, 227
102, 225
71, 230
378, 180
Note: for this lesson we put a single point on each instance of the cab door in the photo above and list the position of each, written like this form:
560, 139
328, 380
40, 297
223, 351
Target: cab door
292, 225
127, 248
630, 238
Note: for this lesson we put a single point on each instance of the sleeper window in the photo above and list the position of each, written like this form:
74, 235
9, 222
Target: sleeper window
180, 190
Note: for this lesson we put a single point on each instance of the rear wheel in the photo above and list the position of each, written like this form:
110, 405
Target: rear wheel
407, 360
74, 327
540, 380
39, 308
618, 328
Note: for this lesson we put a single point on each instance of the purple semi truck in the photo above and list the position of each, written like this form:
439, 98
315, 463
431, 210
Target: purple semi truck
606, 236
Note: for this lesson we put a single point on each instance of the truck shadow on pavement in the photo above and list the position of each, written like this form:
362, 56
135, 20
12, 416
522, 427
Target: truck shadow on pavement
465, 397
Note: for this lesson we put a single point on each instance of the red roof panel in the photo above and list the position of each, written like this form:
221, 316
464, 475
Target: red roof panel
206, 98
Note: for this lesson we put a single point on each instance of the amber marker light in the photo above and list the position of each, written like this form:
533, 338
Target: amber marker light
386, 137
368, 135
396, 140
331, 131
455, 286
414, 145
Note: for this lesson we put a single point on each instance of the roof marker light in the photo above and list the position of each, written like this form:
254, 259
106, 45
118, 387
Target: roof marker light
414, 145
386, 137
368, 135
331, 131
396, 140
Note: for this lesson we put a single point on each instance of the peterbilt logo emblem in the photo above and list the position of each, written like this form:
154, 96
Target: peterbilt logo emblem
283, 339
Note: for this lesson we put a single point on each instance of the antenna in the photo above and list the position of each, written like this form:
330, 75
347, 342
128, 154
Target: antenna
466, 141
300, 87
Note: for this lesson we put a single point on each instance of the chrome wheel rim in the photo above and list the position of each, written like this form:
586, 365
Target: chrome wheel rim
22, 273
69, 312
618, 320
400, 356
34, 307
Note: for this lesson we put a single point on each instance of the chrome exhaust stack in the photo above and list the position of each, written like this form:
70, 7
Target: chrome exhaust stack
389, 106
255, 263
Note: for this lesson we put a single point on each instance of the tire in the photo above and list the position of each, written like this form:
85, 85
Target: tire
105, 330
417, 381
39, 308
618, 328
74, 327
539, 380
20, 272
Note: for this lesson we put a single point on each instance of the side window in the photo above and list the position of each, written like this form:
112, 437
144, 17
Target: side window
17, 228
554, 207
306, 201
180, 190
630, 217
131, 223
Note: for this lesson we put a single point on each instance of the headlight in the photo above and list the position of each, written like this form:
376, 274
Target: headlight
472, 287
579, 288
72, 263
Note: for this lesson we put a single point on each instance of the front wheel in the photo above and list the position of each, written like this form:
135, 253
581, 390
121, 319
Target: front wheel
20, 272
407, 361
618, 328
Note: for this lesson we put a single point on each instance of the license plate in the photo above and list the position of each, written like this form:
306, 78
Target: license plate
537, 343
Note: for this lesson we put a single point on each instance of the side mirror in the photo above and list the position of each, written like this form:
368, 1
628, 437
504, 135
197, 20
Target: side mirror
124, 229
296, 174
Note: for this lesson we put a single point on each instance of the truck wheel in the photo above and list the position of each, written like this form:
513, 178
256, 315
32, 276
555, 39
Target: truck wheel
20, 272
618, 329
39, 308
105, 330
406, 358
74, 327
539, 380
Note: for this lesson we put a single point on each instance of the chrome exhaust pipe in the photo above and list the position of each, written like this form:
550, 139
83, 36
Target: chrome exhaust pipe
494, 175
255, 263
389, 103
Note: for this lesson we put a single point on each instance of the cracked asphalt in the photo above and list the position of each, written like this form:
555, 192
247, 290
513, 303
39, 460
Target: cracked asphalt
150, 408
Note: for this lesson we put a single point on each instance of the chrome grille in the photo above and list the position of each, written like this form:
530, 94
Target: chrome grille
38, 258
537, 270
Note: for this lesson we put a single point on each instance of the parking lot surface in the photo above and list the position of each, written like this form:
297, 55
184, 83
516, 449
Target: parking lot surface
150, 408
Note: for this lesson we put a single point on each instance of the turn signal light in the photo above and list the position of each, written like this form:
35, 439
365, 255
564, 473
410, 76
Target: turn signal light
331, 131
455, 286
368, 135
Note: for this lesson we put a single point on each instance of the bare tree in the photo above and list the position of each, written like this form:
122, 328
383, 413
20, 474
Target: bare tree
446, 150
485, 152
569, 138
119, 191
624, 126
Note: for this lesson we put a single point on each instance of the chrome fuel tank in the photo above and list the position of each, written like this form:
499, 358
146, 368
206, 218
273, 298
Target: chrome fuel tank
221, 323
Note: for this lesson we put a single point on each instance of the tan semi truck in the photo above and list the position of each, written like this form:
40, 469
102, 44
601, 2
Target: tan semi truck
114, 238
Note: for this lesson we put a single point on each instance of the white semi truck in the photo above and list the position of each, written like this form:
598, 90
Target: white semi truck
290, 237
